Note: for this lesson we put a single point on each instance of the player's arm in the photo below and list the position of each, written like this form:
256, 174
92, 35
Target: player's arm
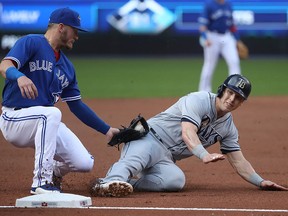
247, 172
9, 71
204, 40
90, 118
203, 21
190, 137
203, 29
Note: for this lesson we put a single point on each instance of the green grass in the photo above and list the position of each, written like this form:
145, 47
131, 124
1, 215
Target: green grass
170, 77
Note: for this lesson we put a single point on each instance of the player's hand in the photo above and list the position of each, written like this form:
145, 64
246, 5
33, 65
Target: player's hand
204, 42
27, 88
111, 133
269, 185
208, 43
212, 158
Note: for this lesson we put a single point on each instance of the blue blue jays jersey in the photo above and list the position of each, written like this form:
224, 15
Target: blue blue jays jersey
217, 17
35, 58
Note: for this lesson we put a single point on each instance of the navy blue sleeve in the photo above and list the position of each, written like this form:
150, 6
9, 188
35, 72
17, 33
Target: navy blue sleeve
87, 116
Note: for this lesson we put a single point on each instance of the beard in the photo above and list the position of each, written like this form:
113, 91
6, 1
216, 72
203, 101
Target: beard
65, 41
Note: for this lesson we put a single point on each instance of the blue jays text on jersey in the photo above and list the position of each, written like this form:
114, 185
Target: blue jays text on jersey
54, 79
217, 17
40, 65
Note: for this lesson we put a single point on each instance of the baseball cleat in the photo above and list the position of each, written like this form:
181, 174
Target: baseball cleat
111, 189
47, 188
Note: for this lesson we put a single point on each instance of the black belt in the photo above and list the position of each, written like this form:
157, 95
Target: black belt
156, 135
19, 108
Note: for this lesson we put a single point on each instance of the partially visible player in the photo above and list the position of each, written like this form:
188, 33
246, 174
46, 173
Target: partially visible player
195, 122
218, 36
37, 74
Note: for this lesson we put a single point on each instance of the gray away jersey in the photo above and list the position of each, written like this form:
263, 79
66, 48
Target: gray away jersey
199, 109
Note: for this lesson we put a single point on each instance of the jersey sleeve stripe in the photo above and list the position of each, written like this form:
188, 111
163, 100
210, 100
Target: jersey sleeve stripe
71, 98
189, 119
15, 60
202, 20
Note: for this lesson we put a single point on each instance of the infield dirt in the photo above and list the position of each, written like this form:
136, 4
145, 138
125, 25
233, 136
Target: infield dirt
262, 125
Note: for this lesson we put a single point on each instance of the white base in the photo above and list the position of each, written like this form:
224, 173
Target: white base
54, 200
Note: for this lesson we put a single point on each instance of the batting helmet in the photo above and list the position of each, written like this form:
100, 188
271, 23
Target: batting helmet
236, 83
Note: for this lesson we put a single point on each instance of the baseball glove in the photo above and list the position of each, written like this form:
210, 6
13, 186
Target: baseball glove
137, 129
243, 50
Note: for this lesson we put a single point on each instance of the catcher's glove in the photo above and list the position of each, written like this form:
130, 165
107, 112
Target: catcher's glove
243, 50
137, 129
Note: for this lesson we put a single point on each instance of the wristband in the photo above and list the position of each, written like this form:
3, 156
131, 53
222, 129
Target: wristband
204, 35
255, 179
199, 151
13, 74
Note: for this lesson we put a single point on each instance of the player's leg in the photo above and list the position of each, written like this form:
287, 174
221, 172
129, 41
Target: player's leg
71, 155
34, 127
163, 176
135, 157
18, 130
145, 156
230, 54
211, 56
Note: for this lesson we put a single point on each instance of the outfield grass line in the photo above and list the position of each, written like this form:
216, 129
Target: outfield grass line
166, 209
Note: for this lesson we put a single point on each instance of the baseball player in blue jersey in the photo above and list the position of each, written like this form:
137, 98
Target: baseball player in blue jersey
195, 122
218, 35
37, 75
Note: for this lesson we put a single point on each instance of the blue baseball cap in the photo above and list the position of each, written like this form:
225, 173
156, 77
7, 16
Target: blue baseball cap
67, 17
